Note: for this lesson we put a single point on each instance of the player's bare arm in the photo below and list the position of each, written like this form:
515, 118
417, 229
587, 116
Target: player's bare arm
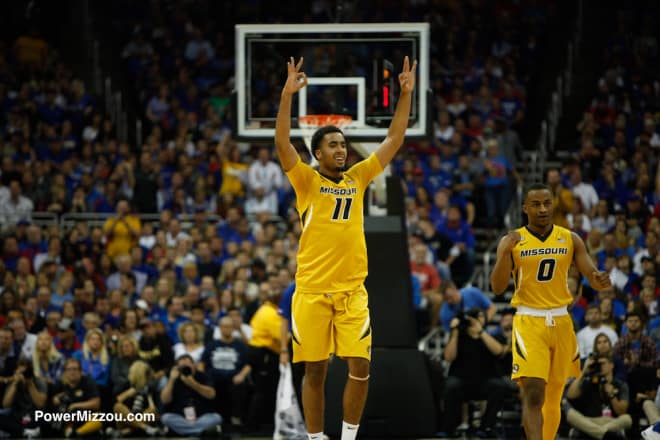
295, 81
599, 280
499, 277
397, 129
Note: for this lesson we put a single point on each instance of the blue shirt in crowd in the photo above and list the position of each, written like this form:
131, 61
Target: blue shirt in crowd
471, 297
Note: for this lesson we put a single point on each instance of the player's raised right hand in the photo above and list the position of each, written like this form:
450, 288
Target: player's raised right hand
510, 240
296, 79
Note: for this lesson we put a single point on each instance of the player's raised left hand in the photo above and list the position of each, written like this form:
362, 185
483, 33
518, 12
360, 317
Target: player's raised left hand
407, 76
600, 280
296, 79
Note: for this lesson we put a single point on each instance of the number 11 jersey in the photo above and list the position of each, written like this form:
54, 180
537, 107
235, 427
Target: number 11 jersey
332, 255
540, 268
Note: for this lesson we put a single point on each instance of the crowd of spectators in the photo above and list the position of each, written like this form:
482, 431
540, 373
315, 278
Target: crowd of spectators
608, 192
179, 317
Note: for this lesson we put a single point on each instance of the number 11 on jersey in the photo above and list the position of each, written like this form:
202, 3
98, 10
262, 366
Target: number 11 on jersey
346, 212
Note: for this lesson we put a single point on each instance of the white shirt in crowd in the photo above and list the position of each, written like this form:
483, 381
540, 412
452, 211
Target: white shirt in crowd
587, 336
27, 348
637, 261
13, 211
585, 223
444, 135
180, 349
173, 240
245, 328
618, 278
587, 195
266, 177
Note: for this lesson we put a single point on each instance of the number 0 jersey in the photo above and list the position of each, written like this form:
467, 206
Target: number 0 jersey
540, 268
332, 256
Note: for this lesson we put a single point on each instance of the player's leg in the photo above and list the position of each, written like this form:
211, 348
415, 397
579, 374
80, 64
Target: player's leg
565, 363
531, 365
552, 408
533, 395
313, 395
355, 392
352, 327
312, 335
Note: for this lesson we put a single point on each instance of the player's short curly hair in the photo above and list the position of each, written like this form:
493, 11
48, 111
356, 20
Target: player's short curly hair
318, 136
535, 187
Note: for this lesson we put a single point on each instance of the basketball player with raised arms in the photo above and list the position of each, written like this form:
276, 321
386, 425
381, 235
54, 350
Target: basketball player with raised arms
545, 350
330, 311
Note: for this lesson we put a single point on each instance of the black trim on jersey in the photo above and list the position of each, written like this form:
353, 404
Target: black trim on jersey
293, 336
519, 351
367, 333
513, 272
333, 179
541, 237
302, 217
577, 356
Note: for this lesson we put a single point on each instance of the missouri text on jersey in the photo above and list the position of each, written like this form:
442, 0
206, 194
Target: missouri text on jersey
338, 191
543, 251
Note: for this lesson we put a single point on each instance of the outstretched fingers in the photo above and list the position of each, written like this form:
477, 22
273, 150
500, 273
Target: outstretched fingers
292, 66
407, 75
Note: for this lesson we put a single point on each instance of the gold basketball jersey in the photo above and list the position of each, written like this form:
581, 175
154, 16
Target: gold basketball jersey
540, 268
332, 256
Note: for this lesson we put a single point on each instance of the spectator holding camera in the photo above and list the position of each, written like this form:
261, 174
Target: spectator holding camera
188, 399
24, 394
603, 346
473, 373
137, 398
75, 391
599, 400
456, 301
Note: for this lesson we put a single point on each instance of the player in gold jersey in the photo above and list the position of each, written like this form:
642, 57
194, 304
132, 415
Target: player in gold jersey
545, 351
330, 307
